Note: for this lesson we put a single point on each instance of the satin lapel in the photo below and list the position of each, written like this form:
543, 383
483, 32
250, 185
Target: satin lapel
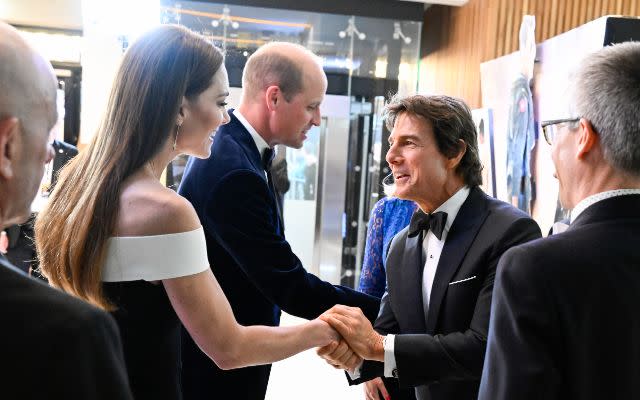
460, 238
409, 285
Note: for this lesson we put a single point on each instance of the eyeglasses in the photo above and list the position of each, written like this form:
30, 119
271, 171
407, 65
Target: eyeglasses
549, 128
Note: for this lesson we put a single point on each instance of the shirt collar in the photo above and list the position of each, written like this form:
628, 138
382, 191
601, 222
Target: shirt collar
452, 205
593, 199
261, 144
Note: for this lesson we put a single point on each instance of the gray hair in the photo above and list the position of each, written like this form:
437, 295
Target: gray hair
274, 65
606, 91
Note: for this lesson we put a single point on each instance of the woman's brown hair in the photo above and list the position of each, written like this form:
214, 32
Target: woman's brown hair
157, 71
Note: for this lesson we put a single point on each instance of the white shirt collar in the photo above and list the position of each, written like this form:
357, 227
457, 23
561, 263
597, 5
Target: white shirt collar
593, 199
261, 144
453, 204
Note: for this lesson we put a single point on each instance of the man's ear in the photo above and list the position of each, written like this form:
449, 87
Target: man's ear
454, 161
9, 138
272, 97
587, 138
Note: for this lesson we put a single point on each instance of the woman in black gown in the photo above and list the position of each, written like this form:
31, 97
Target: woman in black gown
113, 235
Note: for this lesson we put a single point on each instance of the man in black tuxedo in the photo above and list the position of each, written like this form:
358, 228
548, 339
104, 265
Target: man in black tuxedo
52, 345
234, 195
64, 152
22, 249
565, 321
432, 328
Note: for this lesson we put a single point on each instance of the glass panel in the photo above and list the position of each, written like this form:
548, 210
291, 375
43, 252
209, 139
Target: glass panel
300, 202
302, 168
369, 47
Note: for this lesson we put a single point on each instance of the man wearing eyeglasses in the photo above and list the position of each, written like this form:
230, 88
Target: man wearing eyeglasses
565, 320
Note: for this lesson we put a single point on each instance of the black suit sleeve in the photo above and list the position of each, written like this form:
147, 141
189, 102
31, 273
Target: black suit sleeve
423, 358
241, 217
93, 364
519, 362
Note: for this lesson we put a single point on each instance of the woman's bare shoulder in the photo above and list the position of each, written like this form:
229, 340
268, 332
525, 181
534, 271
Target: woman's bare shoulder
148, 209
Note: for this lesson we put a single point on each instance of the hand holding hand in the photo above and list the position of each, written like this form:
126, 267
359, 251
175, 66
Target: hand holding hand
372, 387
356, 329
339, 355
326, 335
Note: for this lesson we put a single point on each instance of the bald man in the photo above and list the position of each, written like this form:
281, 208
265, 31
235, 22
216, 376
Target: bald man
52, 345
234, 196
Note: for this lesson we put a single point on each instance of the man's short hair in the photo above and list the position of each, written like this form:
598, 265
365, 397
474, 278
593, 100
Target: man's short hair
273, 67
606, 91
451, 121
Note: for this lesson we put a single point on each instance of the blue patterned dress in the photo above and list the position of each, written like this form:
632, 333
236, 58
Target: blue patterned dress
388, 217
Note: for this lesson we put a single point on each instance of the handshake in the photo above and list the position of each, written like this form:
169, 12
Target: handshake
359, 341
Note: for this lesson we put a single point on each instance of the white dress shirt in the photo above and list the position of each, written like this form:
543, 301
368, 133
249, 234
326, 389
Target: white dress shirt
432, 249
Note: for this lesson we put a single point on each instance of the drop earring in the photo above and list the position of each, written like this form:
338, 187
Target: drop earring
175, 141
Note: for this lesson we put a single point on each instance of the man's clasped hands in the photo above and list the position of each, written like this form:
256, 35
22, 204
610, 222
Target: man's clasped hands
359, 339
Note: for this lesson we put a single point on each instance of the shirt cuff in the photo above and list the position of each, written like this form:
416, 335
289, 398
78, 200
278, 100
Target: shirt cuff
390, 369
356, 372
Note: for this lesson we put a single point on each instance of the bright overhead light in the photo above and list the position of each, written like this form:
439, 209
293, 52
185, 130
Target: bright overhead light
404, 71
55, 46
120, 17
381, 69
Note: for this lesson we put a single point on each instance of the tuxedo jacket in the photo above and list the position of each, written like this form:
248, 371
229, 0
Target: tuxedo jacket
251, 259
22, 250
565, 322
64, 153
54, 346
441, 354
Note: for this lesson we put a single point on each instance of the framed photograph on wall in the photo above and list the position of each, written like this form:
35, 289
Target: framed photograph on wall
483, 119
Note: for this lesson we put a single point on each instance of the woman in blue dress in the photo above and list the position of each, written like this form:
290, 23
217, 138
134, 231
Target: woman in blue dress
389, 216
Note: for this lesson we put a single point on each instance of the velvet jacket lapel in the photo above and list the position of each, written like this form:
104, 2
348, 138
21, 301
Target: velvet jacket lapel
459, 239
240, 134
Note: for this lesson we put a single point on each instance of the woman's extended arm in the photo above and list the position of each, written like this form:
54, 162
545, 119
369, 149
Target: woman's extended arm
205, 311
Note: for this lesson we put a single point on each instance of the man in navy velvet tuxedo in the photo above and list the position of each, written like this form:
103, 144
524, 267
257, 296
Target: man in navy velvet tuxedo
234, 196
565, 322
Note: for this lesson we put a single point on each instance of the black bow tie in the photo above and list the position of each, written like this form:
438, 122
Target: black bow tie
434, 222
267, 158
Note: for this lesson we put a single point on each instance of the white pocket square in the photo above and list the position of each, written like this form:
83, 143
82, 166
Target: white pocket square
463, 280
